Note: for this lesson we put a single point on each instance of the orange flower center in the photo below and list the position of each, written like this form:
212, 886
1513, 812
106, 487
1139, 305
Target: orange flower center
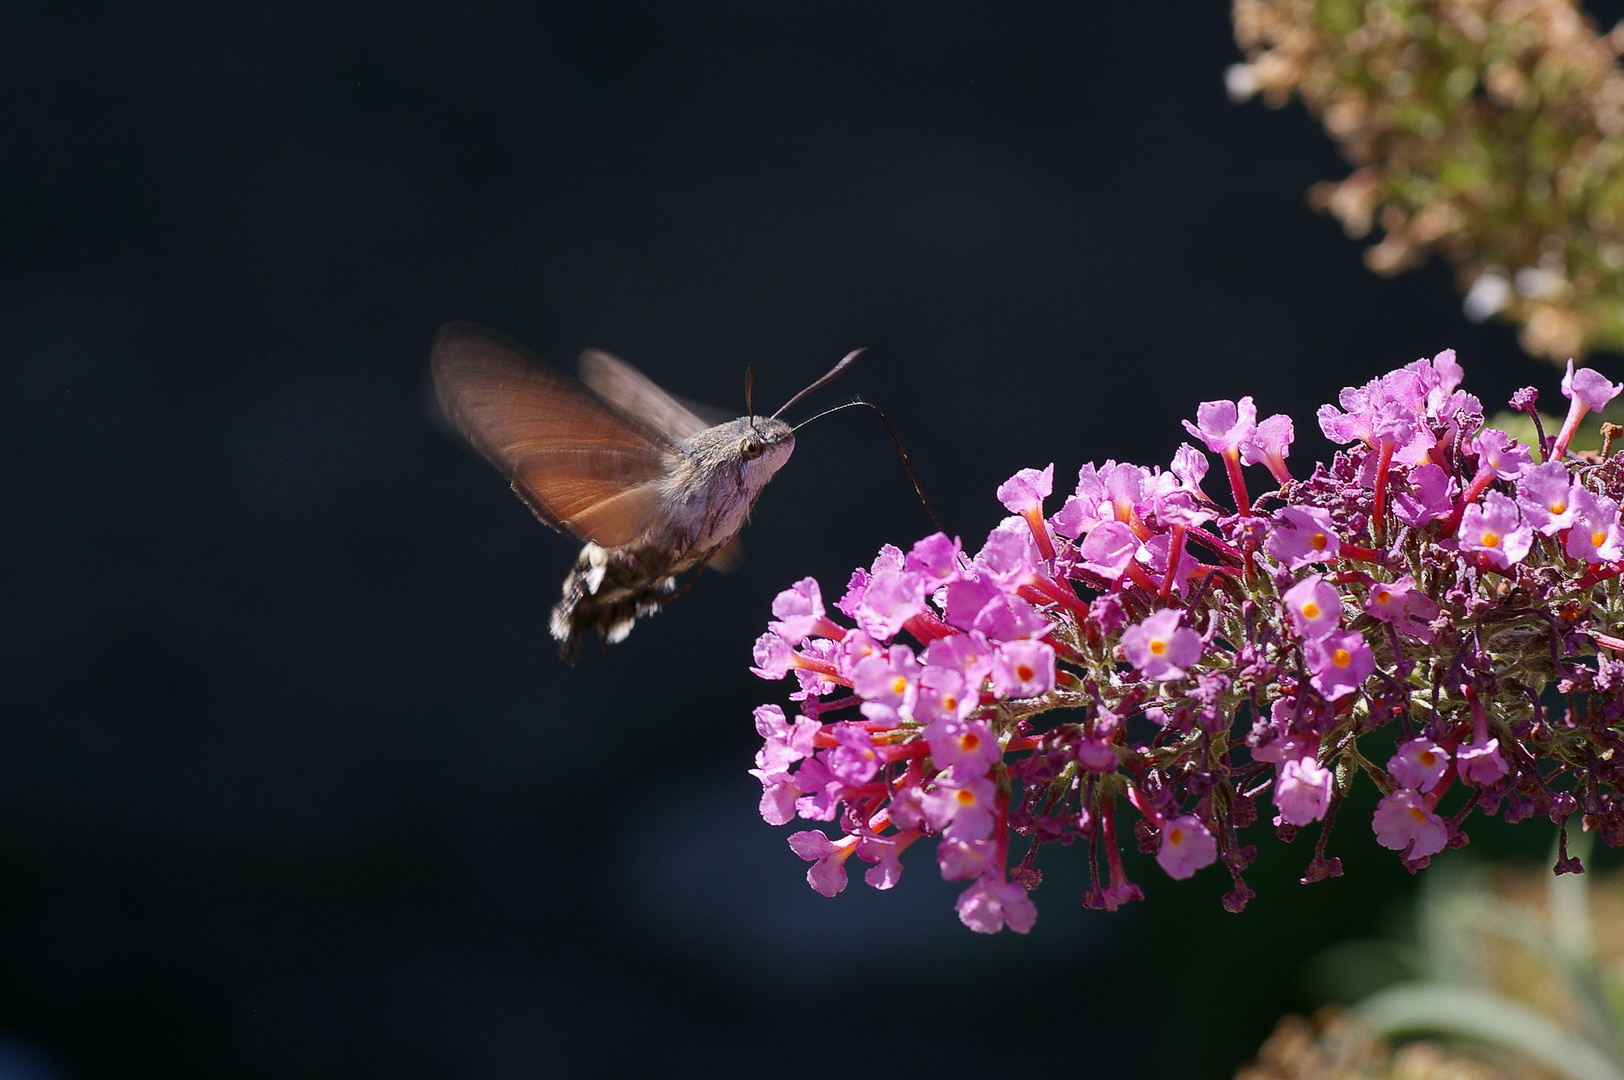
1491, 539
1319, 541
1342, 658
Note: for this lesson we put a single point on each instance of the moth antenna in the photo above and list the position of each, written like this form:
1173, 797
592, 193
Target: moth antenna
845, 362
896, 442
750, 391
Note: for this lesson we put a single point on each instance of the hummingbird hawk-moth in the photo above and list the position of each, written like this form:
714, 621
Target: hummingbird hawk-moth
650, 488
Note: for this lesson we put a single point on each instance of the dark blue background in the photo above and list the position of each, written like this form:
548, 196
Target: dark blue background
291, 783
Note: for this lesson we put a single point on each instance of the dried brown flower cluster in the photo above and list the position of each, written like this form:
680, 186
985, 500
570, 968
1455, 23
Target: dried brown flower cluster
1488, 130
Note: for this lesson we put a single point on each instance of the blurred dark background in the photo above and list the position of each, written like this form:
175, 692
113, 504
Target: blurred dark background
291, 781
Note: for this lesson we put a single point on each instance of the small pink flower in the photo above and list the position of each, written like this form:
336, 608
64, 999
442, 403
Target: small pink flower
1270, 445
773, 657
1190, 466
1495, 528
778, 795
890, 600
961, 860
1224, 425
1109, 549
827, 875
1187, 846
990, 904
1479, 761
885, 853
1315, 607
1026, 490
943, 696
786, 743
971, 655
1303, 792
798, 611
1402, 819
968, 747
936, 559
1595, 535
1303, 535
1339, 662
1501, 454
1545, 497
1023, 669
1405, 606
1589, 388
889, 685
1426, 494
1419, 764
963, 811
1161, 648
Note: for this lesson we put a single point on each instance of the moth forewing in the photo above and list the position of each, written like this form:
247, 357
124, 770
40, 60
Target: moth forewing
619, 464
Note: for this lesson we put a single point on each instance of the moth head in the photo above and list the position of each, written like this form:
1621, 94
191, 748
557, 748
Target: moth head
765, 441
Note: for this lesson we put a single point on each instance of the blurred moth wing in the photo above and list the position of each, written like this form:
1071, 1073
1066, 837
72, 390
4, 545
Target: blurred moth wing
640, 477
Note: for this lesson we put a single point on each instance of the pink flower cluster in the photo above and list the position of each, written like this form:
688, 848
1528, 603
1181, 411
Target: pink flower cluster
1422, 589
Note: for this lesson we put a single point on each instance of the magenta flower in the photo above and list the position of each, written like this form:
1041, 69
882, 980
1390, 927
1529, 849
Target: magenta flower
773, 657
962, 811
1545, 497
1419, 764
1303, 535
827, 875
1186, 847
937, 559
778, 796
1402, 820
891, 599
855, 760
1479, 761
1303, 792
889, 685
1269, 446
1160, 647
1588, 392
1190, 466
968, 747
1025, 491
1405, 606
989, 905
1088, 507
943, 696
1501, 454
1339, 662
1595, 535
1589, 388
1010, 556
971, 655
885, 853
1009, 618
1110, 549
1315, 607
1023, 669
961, 860
1495, 529
1426, 494
1224, 425
786, 743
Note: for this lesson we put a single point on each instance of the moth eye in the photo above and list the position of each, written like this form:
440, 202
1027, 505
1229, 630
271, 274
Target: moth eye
750, 449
